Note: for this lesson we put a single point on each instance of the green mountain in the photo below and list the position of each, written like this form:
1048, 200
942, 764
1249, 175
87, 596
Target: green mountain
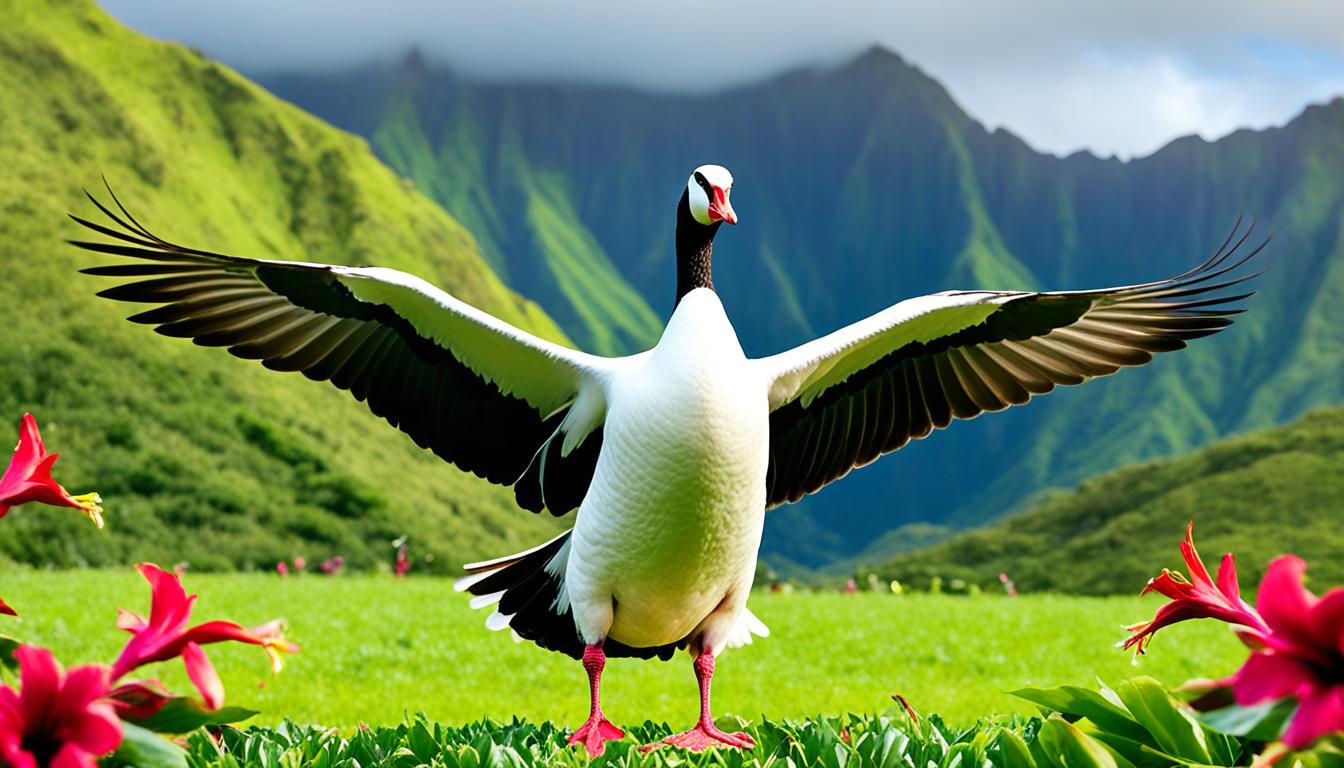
858, 186
202, 457
1259, 495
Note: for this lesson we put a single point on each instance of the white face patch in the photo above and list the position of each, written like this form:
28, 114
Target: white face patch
716, 175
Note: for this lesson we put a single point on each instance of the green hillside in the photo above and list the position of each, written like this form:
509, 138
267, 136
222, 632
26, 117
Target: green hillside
1261, 495
565, 267
202, 457
863, 184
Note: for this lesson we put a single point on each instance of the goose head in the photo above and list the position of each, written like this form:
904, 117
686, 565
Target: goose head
704, 206
707, 193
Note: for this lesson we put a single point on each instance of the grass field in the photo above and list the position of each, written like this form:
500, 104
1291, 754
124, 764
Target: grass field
375, 649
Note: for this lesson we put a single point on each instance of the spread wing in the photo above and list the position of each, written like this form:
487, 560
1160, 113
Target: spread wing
867, 389
479, 392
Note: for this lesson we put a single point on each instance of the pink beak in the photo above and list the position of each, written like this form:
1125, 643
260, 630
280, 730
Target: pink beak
720, 209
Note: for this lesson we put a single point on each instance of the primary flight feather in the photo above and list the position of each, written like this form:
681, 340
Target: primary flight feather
671, 456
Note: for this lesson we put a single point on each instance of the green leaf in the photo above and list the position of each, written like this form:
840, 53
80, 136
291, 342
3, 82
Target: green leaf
1172, 725
8, 644
1061, 744
1263, 722
1080, 702
182, 715
143, 748
1014, 750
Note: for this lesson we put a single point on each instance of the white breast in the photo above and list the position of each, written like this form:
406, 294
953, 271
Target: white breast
672, 520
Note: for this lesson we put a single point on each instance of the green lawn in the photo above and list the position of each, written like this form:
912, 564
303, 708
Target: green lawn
375, 649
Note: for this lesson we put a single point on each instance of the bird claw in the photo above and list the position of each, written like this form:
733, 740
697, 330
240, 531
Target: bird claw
701, 737
595, 733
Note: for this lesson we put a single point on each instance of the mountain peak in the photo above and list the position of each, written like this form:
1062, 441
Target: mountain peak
877, 57
413, 62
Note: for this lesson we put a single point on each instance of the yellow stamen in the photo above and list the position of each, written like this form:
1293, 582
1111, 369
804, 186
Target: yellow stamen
89, 503
277, 663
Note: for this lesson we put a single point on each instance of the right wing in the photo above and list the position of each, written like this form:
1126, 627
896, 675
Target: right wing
845, 399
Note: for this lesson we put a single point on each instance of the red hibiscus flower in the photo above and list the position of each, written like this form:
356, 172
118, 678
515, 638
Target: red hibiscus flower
166, 635
56, 719
1196, 598
1296, 638
1302, 655
28, 478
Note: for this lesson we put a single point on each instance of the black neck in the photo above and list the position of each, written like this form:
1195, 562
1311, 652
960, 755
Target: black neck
695, 247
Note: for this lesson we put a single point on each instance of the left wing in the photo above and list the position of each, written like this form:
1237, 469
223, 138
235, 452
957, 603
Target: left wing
491, 398
867, 389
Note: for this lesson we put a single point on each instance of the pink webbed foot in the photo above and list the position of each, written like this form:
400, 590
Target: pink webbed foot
595, 733
703, 736
597, 730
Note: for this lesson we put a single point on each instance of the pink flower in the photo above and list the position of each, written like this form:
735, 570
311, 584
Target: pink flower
166, 635
403, 562
281, 568
28, 478
1197, 598
300, 563
56, 719
1302, 655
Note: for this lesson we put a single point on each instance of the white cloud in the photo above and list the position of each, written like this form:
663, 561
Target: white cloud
1116, 78
1134, 106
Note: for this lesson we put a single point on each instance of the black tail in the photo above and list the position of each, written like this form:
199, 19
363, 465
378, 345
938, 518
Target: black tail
526, 597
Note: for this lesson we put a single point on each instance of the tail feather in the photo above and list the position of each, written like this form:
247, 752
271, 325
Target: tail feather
527, 592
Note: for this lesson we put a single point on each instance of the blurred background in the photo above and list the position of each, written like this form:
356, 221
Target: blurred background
528, 158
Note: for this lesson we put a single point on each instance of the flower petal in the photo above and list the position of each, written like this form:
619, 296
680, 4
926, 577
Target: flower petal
28, 452
203, 675
1270, 676
13, 756
130, 621
1199, 575
169, 606
97, 729
1284, 602
6, 610
82, 686
1227, 579
71, 756
218, 632
39, 679
1319, 713
1327, 620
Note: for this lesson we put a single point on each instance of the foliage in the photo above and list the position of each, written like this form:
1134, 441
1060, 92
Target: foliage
1138, 724
856, 741
255, 466
1259, 495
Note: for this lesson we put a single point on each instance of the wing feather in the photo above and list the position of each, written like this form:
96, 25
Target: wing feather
923, 363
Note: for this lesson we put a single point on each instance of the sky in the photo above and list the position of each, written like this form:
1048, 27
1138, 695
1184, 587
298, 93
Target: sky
1115, 78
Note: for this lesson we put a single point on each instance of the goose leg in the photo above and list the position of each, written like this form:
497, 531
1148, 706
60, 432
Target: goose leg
597, 730
705, 733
